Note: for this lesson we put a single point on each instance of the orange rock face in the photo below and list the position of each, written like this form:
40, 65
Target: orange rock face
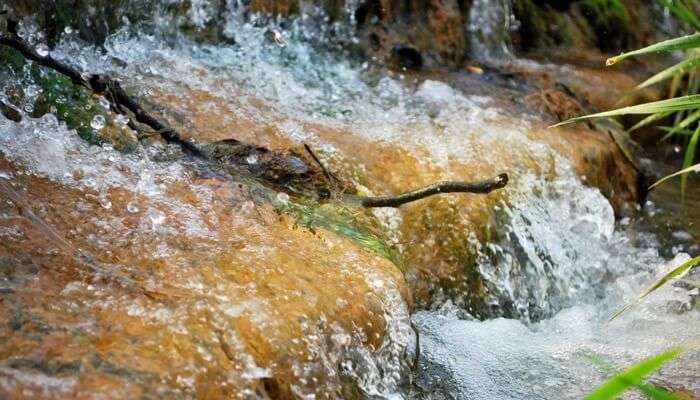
117, 294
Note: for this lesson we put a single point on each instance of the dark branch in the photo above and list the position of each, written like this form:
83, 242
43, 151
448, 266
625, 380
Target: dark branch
484, 186
331, 178
102, 84
123, 104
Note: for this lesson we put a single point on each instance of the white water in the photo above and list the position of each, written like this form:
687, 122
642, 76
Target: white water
561, 259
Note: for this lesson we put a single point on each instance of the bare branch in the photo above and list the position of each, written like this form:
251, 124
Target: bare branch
103, 84
484, 186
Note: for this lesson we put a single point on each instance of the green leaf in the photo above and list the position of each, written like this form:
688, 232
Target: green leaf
669, 105
648, 120
682, 12
674, 273
654, 392
685, 132
689, 158
632, 376
647, 389
687, 121
670, 72
681, 43
693, 168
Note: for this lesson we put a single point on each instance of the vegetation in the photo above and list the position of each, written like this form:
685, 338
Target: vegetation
632, 378
683, 110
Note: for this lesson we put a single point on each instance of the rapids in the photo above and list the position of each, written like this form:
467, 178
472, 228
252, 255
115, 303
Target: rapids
554, 261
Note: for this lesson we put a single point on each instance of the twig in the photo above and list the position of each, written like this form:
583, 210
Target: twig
484, 186
121, 103
331, 178
103, 84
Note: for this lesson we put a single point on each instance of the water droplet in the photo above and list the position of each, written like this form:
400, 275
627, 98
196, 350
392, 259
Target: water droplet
121, 120
156, 217
132, 207
68, 30
98, 122
32, 90
104, 103
104, 201
252, 159
283, 197
42, 50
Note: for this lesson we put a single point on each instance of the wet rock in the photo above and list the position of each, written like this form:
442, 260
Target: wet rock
191, 305
10, 112
435, 28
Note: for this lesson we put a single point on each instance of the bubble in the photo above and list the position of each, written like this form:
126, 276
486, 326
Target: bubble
68, 30
42, 50
104, 201
283, 197
32, 90
252, 159
98, 122
121, 120
132, 207
156, 217
104, 103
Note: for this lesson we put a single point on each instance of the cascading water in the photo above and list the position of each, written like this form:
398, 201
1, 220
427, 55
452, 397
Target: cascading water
559, 267
490, 24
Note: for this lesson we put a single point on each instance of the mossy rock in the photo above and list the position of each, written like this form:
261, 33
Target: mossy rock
70, 103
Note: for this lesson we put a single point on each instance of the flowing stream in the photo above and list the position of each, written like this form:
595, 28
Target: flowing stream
559, 266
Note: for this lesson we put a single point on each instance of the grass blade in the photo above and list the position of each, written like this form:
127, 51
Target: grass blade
650, 391
681, 43
693, 168
680, 68
687, 121
682, 12
684, 132
632, 376
669, 105
648, 120
674, 273
689, 158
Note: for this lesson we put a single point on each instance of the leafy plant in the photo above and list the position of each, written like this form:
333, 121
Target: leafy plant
633, 377
684, 110
650, 391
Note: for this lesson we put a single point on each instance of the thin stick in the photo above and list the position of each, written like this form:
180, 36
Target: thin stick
103, 84
327, 173
121, 102
484, 186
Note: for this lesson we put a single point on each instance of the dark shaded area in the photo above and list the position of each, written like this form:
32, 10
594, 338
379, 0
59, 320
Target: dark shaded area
408, 57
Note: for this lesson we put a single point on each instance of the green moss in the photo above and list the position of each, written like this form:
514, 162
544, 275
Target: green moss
71, 104
610, 21
357, 225
11, 59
